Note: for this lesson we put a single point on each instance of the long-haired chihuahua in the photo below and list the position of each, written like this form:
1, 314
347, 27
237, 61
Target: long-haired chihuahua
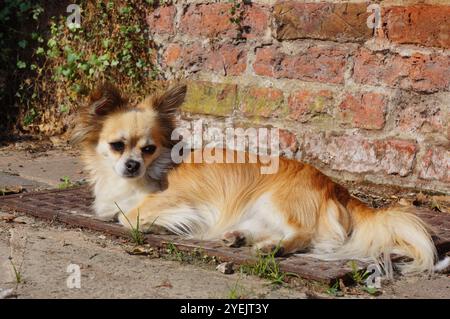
127, 151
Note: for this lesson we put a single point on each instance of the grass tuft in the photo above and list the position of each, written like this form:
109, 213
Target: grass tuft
359, 276
137, 236
17, 273
236, 291
266, 267
66, 183
334, 290
173, 250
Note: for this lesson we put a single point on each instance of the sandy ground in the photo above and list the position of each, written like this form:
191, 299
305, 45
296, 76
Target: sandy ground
42, 253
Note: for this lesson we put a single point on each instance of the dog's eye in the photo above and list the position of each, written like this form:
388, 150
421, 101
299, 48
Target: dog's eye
117, 146
149, 149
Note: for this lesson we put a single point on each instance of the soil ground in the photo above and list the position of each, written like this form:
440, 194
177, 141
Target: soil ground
41, 252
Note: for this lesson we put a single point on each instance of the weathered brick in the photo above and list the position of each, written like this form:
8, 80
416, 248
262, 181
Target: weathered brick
320, 63
266, 61
419, 72
189, 58
161, 20
422, 24
210, 98
396, 156
365, 110
306, 104
226, 59
172, 54
422, 113
435, 164
334, 21
213, 20
256, 20
260, 101
288, 142
358, 154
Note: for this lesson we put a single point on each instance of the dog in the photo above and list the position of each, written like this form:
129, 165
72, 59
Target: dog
127, 152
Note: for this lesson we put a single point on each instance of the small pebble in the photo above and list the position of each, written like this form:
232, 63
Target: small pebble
6, 293
226, 268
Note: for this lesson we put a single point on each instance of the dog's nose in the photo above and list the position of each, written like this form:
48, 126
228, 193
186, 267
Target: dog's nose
132, 166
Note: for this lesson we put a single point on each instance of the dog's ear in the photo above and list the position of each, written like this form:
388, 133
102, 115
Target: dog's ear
105, 99
168, 103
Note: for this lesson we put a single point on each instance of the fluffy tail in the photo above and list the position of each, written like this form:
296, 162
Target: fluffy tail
376, 234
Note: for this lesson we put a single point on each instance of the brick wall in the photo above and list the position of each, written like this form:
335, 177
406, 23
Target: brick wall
358, 103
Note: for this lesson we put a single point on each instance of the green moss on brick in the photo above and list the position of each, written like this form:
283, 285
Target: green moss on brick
210, 98
261, 102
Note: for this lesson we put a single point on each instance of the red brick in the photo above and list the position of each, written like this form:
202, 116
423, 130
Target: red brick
419, 72
427, 25
364, 110
305, 104
256, 20
213, 20
225, 59
435, 164
189, 58
161, 20
228, 59
261, 101
334, 21
321, 64
288, 141
266, 61
358, 154
172, 54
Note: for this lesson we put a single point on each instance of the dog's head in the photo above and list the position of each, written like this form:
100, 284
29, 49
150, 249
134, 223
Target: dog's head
128, 138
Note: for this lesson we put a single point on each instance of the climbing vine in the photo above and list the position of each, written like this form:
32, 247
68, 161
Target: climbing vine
52, 66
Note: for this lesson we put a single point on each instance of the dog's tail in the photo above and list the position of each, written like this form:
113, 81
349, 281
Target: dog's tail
378, 233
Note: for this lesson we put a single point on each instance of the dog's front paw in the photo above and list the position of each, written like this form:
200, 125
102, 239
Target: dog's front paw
234, 239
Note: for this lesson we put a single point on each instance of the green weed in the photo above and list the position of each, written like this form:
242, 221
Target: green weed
66, 183
17, 273
266, 267
137, 236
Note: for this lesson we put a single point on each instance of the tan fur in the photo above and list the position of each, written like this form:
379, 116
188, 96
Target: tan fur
296, 209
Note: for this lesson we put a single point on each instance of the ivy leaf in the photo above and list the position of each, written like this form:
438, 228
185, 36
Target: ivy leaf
21, 64
23, 43
72, 57
51, 43
40, 51
66, 72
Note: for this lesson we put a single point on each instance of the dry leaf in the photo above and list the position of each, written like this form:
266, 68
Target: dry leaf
7, 217
165, 284
8, 190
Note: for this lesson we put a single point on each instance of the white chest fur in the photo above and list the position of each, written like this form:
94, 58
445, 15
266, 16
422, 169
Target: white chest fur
112, 191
